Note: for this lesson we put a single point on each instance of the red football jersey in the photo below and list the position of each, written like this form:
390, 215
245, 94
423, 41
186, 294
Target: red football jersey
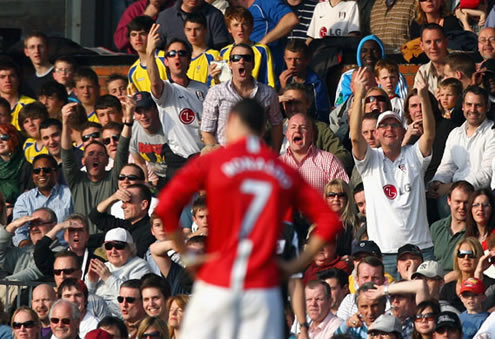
248, 192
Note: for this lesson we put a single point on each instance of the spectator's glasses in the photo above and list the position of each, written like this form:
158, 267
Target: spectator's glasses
373, 98
26, 324
155, 334
174, 53
65, 321
463, 253
46, 170
118, 245
93, 135
129, 300
485, 40
238, 57
65, 271
63, 70
336, 194
106, 141
131, 177
425, 316
4, 137
481, 204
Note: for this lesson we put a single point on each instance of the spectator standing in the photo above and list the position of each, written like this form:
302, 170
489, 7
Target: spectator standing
87, 90
304, 11
36, 49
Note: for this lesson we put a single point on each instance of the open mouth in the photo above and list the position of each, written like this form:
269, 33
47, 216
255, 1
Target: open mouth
297, 140
242, 71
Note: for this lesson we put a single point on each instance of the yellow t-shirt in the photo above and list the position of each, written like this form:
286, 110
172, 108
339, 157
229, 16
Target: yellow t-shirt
198, 68
31, 150
138, 75
23, 100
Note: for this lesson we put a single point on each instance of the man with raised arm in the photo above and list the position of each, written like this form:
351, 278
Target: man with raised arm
393, 178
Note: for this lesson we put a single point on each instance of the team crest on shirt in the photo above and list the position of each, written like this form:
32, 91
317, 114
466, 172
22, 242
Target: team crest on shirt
402, 167
390, 191
200, 95
187, 116
323, 32
342, 15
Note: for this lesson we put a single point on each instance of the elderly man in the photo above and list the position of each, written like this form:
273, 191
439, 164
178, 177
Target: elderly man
369, 309
75, 291
136, 201
224, 96
316, 166
318, 307
131, 305
64, 320
43, 298
393, 178
486, 43
47, 193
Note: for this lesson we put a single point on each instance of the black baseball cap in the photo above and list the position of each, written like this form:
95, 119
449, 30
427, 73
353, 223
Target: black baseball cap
143, 100
447, 319
366, 246
411, 249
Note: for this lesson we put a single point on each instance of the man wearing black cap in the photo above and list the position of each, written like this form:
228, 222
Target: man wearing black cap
409, 258
448, 326
148, 141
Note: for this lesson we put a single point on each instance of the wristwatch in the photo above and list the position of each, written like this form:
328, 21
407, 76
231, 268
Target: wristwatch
304, 324
385, 290
130, 123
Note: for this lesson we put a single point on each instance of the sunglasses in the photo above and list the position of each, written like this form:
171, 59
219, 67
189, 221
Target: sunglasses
373, 98
425, 316
65, 321
155, 334
65, 271
129, 300
173, 53
463, 254
46, 170
117, 245
93, 135
130, 177
238, 57
4, 137
336, 194
106, 141
26, 324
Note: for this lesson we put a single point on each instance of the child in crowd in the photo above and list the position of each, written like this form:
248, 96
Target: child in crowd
387, 77
87, 90
137, 31
30, 118
196, 30
63, 73
117, 85
200, 217
159, 233
240, 23
472, 296
449, 93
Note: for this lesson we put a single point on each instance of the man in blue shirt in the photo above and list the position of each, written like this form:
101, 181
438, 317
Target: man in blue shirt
47, 193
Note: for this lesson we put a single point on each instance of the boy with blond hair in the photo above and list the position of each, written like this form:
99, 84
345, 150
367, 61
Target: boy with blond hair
449, 93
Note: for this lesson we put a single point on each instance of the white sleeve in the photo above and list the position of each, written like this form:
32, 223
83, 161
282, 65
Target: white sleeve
312, 26
482, 177
353, 25
168, 91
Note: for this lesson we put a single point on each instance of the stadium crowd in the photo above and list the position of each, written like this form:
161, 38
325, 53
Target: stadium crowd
408, 169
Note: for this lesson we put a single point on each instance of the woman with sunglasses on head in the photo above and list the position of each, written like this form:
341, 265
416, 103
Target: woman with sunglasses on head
104, 279
376, 100
15, 171
25, 324
467, 254
424, 322
152, 328
433, 11
176, 306
481, 219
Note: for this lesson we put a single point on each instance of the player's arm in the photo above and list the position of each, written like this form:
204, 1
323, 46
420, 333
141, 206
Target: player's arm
284, 26
359, 144
209, 138
151, 67
67, 111
425, 142
277, 137
141, 163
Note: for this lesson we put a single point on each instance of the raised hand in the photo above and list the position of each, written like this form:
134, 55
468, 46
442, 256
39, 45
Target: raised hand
153, 39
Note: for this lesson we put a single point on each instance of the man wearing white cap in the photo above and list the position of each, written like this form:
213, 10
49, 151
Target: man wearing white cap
386, 324
104, 279
393, 178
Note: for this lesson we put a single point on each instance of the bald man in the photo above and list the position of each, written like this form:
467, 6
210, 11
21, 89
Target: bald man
486, 43
43, 298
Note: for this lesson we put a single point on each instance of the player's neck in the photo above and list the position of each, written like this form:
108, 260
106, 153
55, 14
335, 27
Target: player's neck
457, 226
88, 108
301, 154
42, 68
334, 2
181, 79
243, 87
392, 152
198, 50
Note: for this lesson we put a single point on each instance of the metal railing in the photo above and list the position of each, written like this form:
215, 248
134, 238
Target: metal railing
21, 287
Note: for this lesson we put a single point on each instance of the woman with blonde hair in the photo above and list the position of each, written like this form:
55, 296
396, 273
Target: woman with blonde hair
467, 253
433, 12
176, 306
152, 328
25, 324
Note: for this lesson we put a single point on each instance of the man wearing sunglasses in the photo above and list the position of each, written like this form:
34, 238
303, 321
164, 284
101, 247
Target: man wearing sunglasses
91, 131
179, 100
393, 178
64, 320
222, 97
136, 201
131, 305
47, 193
88, 188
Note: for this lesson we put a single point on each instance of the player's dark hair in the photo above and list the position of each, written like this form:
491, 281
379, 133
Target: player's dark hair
144, 192
246, 46
132, 283
198, 203
138, 169
86, 73
197, 239
186, 46
359, 188
77, 120
298, 46
479, 91
297, 86
140, 23
433, 27
117, 76
373, 262
6, 63
463, 185
34, 110
334, 273
196, 18
53, 162
315, 283
91, 124
251, 114
155, 281
53, 88
67, 59
69, 283
112, 125
68, 254
107, 101
461, 62
110, 321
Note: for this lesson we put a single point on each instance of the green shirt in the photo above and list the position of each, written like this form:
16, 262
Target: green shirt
444, 242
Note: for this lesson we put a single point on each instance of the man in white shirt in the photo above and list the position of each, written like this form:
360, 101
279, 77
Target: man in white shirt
469, 149
393, 178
